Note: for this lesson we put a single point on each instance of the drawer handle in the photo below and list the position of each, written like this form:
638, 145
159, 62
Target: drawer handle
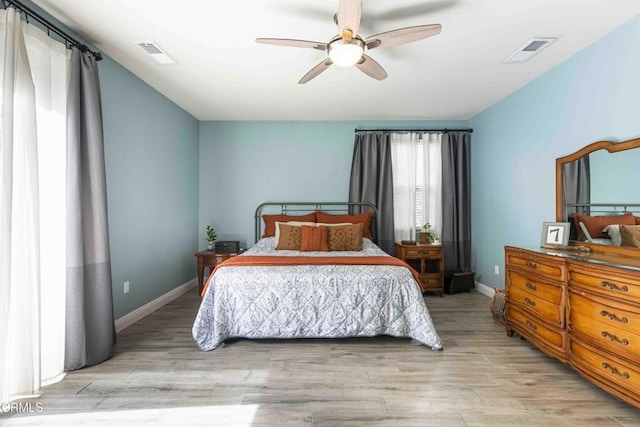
528, 301
613, 338
612, 316
614, 370
613, 286
532, 326
532, 287
531, 264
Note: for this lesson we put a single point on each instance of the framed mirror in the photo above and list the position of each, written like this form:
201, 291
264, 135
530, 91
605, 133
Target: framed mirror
600, 180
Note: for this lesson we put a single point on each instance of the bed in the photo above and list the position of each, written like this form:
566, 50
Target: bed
290, 293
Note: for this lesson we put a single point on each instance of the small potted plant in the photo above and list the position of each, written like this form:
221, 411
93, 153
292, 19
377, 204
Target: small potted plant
425, 236
211, 237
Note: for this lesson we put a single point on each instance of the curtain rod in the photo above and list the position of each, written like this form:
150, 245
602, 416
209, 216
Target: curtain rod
414, 130
31, 13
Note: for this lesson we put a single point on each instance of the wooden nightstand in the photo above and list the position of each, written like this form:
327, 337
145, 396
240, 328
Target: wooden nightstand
428, 261
209, 258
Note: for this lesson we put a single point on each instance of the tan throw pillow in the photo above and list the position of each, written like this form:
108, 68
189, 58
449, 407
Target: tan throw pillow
363, 218
345, 237
315, 239
630, 235
298, 223
290, 237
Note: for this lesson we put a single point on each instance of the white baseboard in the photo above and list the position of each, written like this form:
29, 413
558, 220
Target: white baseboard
142, 312
484, 289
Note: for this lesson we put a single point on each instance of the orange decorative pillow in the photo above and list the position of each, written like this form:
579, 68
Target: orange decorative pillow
270, 221
345, 237
363, 218
315, 239
595, 224
290, 237
630, 235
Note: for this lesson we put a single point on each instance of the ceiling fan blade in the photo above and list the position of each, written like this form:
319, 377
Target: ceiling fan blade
402, 36
293, 43
371, 68
315, 71
349, 14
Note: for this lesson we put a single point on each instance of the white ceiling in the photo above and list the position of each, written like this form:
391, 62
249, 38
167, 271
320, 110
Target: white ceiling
222, 74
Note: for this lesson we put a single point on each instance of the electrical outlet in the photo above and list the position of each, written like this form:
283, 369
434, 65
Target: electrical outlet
126, 287
496, 269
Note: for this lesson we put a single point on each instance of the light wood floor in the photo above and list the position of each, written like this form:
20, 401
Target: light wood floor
482, 378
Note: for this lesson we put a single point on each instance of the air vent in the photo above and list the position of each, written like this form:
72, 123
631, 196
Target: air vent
153, 50
529, 49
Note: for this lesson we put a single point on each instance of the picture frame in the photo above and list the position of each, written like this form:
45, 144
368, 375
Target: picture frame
555, 234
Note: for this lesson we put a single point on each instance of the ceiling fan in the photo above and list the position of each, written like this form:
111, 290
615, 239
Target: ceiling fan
348, 48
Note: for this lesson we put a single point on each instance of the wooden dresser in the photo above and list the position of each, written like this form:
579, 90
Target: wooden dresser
537, 293
428, 260
582, 309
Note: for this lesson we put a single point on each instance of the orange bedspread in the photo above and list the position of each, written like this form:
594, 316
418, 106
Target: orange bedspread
270, 260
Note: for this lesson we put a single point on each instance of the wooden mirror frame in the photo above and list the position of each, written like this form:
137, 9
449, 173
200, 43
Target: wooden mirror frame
611, 147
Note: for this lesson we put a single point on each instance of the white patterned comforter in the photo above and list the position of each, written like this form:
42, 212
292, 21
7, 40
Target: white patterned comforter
312, 301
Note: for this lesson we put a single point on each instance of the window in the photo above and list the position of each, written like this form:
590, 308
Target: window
417, 183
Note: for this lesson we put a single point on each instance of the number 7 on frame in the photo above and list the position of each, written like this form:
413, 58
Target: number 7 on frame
555, 233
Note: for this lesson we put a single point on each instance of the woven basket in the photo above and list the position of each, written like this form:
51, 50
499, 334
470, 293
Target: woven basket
496, 306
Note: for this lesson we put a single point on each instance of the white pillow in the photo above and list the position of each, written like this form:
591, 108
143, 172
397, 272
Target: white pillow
613, 230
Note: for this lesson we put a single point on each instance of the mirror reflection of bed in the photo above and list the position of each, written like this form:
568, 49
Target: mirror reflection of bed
597, 185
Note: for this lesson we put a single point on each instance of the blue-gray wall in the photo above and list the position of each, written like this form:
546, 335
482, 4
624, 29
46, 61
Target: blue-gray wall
151, 156
243, 164
590, 97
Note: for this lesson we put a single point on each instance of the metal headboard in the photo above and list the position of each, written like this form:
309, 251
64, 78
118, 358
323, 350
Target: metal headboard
606, 208
298, 208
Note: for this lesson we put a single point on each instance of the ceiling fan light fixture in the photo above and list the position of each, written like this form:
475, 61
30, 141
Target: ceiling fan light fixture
346, 54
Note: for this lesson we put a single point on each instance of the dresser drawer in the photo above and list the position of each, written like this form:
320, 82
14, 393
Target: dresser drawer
610, 372
422, 252
550, 292
545, 266
608, 324
608, 282
538, 332
549, 312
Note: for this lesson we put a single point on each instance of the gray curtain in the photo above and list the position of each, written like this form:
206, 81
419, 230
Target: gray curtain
576, 185
90, 329
372, 181
456, 200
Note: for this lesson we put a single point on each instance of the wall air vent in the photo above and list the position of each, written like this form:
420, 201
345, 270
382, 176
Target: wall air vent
154, 51
529, 49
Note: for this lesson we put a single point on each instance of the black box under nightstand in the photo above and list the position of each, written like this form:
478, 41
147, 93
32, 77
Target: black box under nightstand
458, 281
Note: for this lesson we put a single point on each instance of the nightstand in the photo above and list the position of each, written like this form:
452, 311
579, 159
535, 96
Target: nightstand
429, 263
209, 258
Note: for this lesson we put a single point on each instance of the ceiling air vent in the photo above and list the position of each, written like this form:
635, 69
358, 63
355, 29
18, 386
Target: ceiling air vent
154, 51
529, 49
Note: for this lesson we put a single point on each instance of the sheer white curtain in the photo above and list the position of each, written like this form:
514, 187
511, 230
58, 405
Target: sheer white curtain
417, 183
32, 214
